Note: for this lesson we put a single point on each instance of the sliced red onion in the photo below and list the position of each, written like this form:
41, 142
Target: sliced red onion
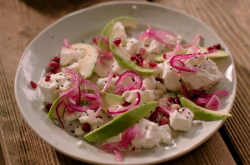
186, 92
143, 36
89, 96
153, 33
110, 76
197, 37
105, 39
222, 92
135, 85
78, 93
111, 148
184, 57
214, 103
201, 101
108, 55
57, 109
66, 43
97, 93
125, 109
75, 79
196, 49
164, 110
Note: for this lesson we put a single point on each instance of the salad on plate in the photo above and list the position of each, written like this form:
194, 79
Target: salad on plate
132, 93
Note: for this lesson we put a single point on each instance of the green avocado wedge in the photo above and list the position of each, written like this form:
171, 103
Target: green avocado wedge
52, 111
87, 64
218, 54
202, 113
127, 22
122, 57
109, 100
120, 123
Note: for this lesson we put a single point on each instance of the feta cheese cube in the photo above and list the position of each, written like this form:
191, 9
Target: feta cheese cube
155, 47
159, 90
101, 70
119, 25
117, 69
69, 116
165, 134
69, 55
78, 130
88, 117
147, 41
101, 82
181, 119
208, 73
159, 70
149, 82
48, 90
146, 96
171, 78
132, 46
74, 66
151, 135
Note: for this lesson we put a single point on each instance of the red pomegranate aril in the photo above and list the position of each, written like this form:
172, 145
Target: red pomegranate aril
171, 100
210, 48
117, 41
217, 46
95, 40
164, 56
142, 51
176, 100
34, 85
163, 121
152, 64
56, 59
53, 63
55, 70
47, 78
125, 103
48, 106
153, 116
86, 127
139, 61
133, 57
114, 75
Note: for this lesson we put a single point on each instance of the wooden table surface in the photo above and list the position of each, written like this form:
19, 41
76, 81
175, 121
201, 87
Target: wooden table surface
22, 20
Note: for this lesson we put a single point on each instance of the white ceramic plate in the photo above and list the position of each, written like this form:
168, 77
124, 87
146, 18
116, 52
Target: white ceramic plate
83, 25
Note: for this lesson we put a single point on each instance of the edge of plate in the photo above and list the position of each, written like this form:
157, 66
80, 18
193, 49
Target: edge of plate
132, 3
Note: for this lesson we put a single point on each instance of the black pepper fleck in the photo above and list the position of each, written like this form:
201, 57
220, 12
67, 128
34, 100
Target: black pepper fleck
105, 81
187, 117
68, 79
195, 65
207, 58
112, 66
97, 127
75, 135
199, 66
132, 42
156, 121
72, 131
60, 74
188, 112
61, 85
56, 80
57, 88
171, 69
77, 126
70, 124
65, 75
180, 80
108, 116
195, 57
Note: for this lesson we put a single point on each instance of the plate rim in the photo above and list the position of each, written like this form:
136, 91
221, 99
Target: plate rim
56, 147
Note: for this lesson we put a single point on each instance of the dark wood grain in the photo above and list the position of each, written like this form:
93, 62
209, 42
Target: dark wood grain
21, 21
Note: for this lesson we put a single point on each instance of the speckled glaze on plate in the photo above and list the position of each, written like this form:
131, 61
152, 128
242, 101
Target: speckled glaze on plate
83, 25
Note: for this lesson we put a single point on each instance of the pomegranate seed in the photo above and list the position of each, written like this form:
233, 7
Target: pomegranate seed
117, 41
53, 63
56, 59
171, 100
133, 57
163, 121
176, 100
153, 116
217, 46
142, 51
164, 56
125, 103
86, 127
210, 48
34, 85
95, 40
48, 106
55, 70
160, 110
114, 76
47, 78
139, 61
152, 64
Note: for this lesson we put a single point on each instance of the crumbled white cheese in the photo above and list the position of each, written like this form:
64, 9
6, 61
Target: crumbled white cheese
149, 82
69, 55
181, 119
208, 73
146, 96
165, 134
69, 116
155, 47
132, 46
101, 82
78, 130
88, 117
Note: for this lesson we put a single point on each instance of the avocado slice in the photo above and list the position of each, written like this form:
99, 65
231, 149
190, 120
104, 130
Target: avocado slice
109, 100
87, 64
127, 22
52, 111
124, 121
218, 54
202, 113
122, 57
